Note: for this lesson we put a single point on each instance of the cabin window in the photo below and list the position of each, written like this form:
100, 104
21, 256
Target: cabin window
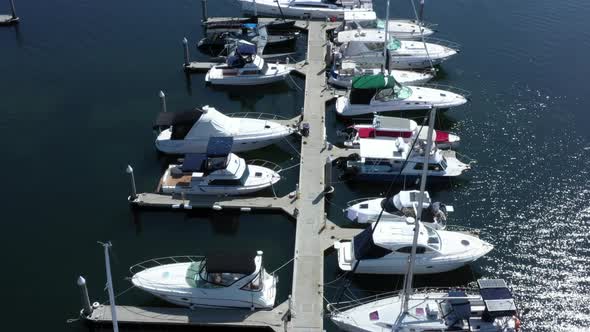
431, 167
408, 250
221, 279
225, 182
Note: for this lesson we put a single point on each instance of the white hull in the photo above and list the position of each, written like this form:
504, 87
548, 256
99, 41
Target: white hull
421, 98
270, 8
407, 29
253, 184
402, 76
396, 263
242, 80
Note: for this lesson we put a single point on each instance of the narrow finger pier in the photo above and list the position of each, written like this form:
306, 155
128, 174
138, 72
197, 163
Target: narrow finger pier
304, 310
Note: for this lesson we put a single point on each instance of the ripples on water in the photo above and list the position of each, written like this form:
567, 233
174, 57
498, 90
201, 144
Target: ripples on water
532, 194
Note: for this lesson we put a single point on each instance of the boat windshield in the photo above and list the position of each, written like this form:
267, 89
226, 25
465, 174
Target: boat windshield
394, 44
398, 92
222, 279
255, 285
433, 238
216, 163
245, 175
371, 24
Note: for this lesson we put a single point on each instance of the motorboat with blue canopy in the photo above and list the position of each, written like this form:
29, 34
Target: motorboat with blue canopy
216, 172
246, 67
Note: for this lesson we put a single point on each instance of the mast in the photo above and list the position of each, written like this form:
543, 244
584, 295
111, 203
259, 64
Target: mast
385, 40
407, 291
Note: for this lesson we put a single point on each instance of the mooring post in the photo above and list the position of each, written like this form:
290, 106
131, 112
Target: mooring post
87, 308
129, 171
421, 15
13, 10
162, 96
328, 189
204, 9
187, 56
107, 262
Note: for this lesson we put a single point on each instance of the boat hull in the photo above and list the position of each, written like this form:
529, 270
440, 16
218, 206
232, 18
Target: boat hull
200, 145
272, 9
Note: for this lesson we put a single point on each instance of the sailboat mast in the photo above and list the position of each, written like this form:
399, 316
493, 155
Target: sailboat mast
386, 39
410, 273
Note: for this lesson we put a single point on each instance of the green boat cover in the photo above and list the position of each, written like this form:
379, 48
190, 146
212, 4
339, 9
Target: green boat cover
379, 81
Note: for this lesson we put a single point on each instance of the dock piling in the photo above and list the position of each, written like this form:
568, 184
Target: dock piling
129, 171
421, 15
187, 57
13, 10
204, 10
328, 188
86, 307
107, 262
162, 96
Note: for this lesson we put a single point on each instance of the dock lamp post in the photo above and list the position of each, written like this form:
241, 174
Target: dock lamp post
129, 171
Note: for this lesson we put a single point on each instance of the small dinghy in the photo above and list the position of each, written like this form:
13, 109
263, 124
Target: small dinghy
398, 208
386, 127
236, 280
343, 72
384, 249
380, 93
246, 68
402, 54
401, 29
189, 132
306, 8
385, 160
217, 172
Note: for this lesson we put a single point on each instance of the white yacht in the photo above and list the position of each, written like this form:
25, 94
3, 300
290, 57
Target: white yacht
343, 72
245, 67
398, 28
307, 8
490, 308
237, 280
189, 132
218, 172
379, 93
386, 160
402, 54
398, 208
386, 127
384, 248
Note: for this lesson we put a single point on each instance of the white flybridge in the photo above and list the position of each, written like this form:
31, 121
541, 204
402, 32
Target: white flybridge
398, 28
217, 172
492, 310
189, 132
307, 8
388, 160
218, 281
387, 127
398, 208
343, 72
366, 47
245, 67
379, 93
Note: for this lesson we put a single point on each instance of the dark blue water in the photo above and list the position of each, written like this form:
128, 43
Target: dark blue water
79, 94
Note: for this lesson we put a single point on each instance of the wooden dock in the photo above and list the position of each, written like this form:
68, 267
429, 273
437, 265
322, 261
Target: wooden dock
129, 315
314, 233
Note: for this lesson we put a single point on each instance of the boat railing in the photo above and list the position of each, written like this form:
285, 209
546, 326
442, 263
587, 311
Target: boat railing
443, 42
450, 88
256, 115
359, 200
264, 163
163, 261
337, 307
